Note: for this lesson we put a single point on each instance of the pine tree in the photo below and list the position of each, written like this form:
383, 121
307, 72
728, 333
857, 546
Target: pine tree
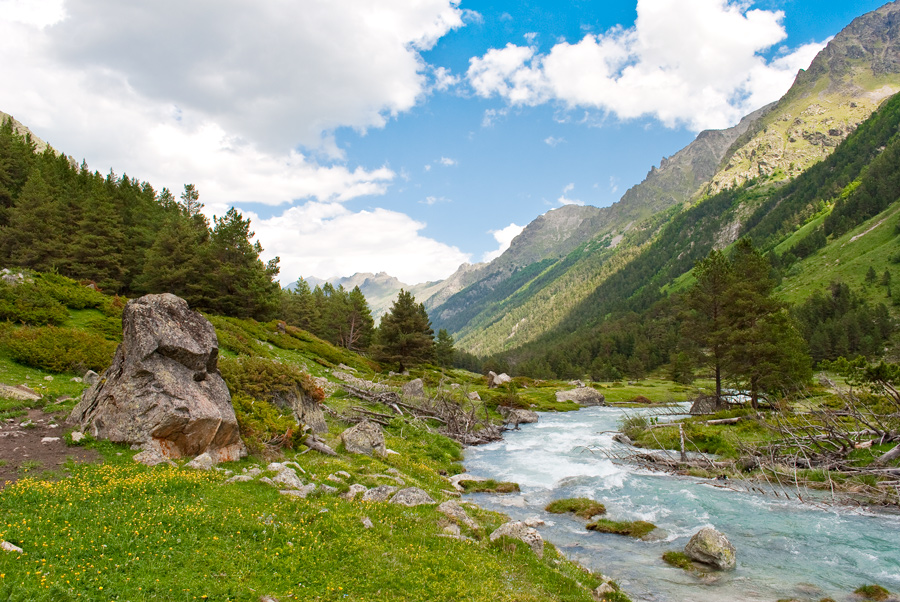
34, 237
405, 335
359, 324
443, 349
298, 308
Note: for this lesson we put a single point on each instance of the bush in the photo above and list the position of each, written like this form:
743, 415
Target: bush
679, 560
59, 349
265, 426
636, 529
27, 303
489, 486
580, 506
268, 380
872, 592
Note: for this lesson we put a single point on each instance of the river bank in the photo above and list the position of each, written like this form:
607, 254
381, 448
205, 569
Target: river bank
786, 549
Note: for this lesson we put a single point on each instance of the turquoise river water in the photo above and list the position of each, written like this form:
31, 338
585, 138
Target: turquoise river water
785, 548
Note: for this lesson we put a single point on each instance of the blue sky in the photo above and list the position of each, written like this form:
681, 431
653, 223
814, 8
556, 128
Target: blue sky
396, 136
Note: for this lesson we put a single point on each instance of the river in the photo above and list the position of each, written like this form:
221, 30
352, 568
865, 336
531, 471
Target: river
785, 548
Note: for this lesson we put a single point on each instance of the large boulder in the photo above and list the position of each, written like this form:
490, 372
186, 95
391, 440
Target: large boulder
365, 438
412, 496
517, 416
712, 548
586, 396
163, 390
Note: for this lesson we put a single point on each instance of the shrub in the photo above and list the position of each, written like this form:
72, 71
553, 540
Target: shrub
59, 349
28, 303
73, 294
679, 560
580, 506
265, 426
268, 380
489, 486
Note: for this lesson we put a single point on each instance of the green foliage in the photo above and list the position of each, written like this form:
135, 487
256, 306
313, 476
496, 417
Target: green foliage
340, 317
27, 303
268, 380
405, 335
678, 559
58, 349
636, 529
489, 486
872, 592
443, 349
264, 425
580, 506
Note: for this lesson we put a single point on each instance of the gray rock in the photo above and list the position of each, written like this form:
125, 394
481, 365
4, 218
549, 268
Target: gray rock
354, 491
586, 396
76, 436
452, 510
367, 522
517, 416
534, 521
343, 474
365, 438
91, 378
473, 396
334, 478
201, 462
268, 481
452, 530
9, 547
602, 590
151, 457
518, 530
623, 439
328, 489
712, 548
289, 478
20, 392
379, 494
464, 476
301, 493
163, 389
495, 380
414, 389
241, 478
254, 472
46, 440
412, 496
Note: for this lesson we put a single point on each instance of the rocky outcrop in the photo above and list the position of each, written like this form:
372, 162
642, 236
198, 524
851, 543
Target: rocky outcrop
518, 530
364, 438
586, 396
163, 390
517, 416
414, 389
412, 496
494, 380
711, 548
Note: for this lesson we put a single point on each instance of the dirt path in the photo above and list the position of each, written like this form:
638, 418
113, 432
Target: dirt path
32, 450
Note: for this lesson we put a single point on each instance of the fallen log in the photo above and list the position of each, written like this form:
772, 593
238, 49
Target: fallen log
313, 442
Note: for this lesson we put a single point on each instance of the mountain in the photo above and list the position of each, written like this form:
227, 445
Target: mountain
512, 304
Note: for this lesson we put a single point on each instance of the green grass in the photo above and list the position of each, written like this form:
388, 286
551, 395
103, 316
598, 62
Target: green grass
636, 529
679, 560
872, 592
489, 486
580, 506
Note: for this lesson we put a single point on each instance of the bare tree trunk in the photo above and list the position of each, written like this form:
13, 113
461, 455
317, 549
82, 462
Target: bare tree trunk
890, 455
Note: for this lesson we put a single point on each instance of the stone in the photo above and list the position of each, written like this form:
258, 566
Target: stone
163, 390
379, 494
91, 378
495, 380
268, 481
289, 478
412, 496
463, 476
364, 438
623, 439
241, 478
712, 548
76, 379
301, 493
20, 392
517, 416
367, 522
334, 478
48, 378
534, 521
518, 530
46, 440
254, 472
328, 489
452, 510
602, 591
9, 547
354, 491
151, 457
414, 389
452, 530
202, 462
704, 404
344, 474
473, 396
275, 467
77, 436
586, 396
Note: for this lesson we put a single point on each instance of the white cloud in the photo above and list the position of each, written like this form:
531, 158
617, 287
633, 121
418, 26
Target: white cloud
565, 200
434, 200
220, 94
504, 236
328, 240
703, 54
553, 141
448, 162
444, 79
613, 184
491, 116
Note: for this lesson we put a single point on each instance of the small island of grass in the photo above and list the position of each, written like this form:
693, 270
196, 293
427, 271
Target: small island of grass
636, 529
489, 486
580, 506
679, 560
872, 592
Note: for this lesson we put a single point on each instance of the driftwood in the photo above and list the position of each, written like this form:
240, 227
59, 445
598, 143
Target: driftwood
313, 442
